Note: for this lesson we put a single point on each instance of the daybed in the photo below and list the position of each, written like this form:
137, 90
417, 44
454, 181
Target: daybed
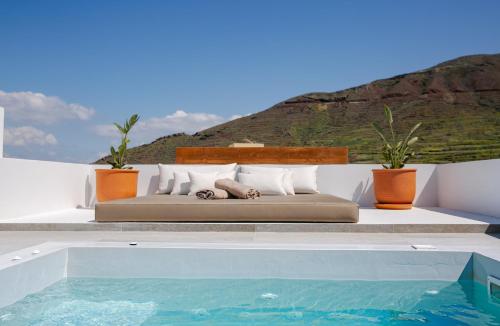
172, 208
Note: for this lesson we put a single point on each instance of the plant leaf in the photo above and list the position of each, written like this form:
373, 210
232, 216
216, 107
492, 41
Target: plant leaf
395, 152
412, 141
388, 114
119, 155
120, 128
379, 131
133, 120
412, 131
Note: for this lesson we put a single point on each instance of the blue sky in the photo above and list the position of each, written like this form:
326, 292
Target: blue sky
69, 69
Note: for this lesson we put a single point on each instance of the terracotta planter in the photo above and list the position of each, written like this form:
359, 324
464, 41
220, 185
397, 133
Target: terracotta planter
394, 188
115, 184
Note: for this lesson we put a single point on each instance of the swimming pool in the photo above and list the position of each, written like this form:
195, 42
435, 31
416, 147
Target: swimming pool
153, 285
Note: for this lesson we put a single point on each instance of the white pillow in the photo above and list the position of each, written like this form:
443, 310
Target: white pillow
287, 175
200, 181
182, 183
288, 182
267, 184
259, 169
304, 179
166, 183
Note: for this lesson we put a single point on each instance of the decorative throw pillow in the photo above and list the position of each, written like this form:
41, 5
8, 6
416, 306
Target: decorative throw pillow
182, 183
259, 169
288, 182
200, 181
226, 175
287, 175
304, 179
166, 183
266, 183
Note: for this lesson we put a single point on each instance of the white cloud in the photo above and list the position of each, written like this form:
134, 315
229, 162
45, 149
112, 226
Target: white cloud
27, 135
40, 108
180, 121
183, 121
101, 155
106, 130
237, 116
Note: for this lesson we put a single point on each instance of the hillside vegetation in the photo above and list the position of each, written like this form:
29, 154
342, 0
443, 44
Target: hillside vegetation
457, 101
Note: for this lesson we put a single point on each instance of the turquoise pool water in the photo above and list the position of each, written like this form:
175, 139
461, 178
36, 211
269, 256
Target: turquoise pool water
253, 302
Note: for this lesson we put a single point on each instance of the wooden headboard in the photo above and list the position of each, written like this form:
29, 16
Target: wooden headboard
262, 155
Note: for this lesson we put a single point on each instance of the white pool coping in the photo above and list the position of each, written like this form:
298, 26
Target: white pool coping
45, 248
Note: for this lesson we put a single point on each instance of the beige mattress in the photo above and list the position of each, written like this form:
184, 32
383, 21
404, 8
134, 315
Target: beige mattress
171, 208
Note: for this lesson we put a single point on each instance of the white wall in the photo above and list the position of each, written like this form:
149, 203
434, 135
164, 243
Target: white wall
355, 182
33, 187
147, 184
470, 186
1, 130
351, 181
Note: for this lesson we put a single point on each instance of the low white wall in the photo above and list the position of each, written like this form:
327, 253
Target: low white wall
149, 178
33, 187
1, 130
351, 181
470, 186
355, 182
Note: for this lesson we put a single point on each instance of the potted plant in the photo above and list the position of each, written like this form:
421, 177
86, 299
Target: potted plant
395, 186
121, 180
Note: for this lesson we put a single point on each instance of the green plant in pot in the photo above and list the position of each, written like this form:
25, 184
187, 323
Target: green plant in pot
395, 185
121, 180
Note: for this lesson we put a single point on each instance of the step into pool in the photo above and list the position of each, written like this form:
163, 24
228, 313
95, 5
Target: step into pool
154, 285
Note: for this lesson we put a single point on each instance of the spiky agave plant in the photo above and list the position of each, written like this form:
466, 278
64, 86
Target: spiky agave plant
119, 156
396, 152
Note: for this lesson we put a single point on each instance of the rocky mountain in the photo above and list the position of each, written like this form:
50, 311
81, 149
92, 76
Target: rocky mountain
458, 102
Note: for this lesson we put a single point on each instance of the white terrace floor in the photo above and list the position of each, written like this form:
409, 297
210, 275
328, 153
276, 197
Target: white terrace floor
416, 220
